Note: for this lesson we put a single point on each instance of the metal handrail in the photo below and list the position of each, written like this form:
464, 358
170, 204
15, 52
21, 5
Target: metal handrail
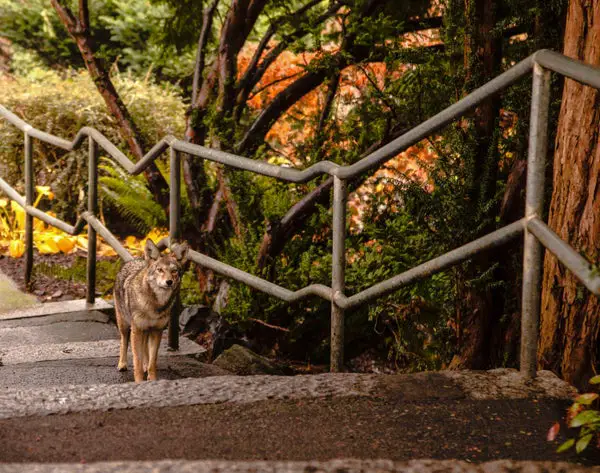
536, 232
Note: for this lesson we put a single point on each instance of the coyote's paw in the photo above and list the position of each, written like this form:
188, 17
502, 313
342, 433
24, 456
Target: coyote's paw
122, 366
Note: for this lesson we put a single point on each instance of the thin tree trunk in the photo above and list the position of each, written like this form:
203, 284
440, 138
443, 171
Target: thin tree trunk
570, 314
477, 305
78, 28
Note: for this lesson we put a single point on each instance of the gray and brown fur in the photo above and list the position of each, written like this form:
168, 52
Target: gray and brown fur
145, 290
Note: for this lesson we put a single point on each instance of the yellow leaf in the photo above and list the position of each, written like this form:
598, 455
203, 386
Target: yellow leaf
39, 225
65, 244
105, 250
131, 242
19, 215
82, 242
156, 235
16, 248
45, 191
3, 202
48, 246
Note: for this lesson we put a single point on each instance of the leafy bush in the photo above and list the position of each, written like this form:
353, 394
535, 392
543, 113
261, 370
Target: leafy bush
580, 416
61, 105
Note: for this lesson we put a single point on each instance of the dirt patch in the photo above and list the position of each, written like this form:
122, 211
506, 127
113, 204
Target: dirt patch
46, 287
475, 431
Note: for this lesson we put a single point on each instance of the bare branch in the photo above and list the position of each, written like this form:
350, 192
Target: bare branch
211, 220
231, 204
331, 93
237, 26
207, 21
84, 15
282, 102
271, 84
264, 42
254, 73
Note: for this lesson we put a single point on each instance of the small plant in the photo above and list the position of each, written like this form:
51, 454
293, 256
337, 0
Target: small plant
580, 415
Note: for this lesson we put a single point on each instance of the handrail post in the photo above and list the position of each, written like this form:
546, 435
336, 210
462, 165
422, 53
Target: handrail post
338, 271
29, 195
174, 236
92, 209
534, 206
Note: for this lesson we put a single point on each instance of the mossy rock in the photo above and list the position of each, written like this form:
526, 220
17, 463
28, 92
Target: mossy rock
243, 361
11, 298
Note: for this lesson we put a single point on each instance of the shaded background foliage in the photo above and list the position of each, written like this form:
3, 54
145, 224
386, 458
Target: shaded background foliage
371, 82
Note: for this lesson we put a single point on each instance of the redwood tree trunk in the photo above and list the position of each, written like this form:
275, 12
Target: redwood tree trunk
569, 320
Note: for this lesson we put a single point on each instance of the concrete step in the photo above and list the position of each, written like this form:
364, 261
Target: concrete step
331, 466
470, 416
93, 371
51, 308
41, 348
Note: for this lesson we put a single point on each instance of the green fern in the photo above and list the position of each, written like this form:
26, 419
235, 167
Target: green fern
130, 197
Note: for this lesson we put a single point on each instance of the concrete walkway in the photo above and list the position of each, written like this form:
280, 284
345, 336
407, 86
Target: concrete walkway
72, 343
467, 416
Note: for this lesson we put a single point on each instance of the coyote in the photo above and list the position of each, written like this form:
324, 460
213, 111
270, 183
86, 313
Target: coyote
144, 292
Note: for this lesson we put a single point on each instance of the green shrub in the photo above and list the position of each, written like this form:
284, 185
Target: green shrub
61, 105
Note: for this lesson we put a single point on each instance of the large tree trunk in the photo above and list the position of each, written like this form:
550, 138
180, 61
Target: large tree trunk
570, 322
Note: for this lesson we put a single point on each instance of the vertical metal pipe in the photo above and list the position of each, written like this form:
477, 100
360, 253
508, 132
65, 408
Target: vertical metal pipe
29, 197
338, 271
534, 206
93, 209
174, 236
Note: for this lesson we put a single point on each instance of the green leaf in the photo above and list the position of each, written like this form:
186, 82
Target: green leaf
586, 399
583, 442
565, 446
585, 417
595, 379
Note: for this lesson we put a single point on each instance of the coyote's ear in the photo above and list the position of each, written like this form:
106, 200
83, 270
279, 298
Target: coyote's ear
180, 250
151, 251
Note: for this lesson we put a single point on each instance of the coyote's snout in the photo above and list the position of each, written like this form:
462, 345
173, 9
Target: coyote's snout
145, 290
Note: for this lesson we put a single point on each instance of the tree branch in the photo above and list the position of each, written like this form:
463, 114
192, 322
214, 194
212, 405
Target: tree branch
240, 21
255, 72
207, 21
332, 89
99, 74
232, 208
84, 15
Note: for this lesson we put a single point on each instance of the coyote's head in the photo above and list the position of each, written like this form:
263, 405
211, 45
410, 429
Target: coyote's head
164, 272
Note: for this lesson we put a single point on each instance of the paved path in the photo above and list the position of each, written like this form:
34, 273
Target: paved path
78, 347
469, 416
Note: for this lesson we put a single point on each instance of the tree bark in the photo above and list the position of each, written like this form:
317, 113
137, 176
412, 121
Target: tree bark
570, 314
477, 305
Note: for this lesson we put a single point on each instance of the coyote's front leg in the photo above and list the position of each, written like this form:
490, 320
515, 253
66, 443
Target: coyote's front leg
154, 338
137, 347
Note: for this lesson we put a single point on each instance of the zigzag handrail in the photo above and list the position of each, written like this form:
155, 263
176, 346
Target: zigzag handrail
536, 231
